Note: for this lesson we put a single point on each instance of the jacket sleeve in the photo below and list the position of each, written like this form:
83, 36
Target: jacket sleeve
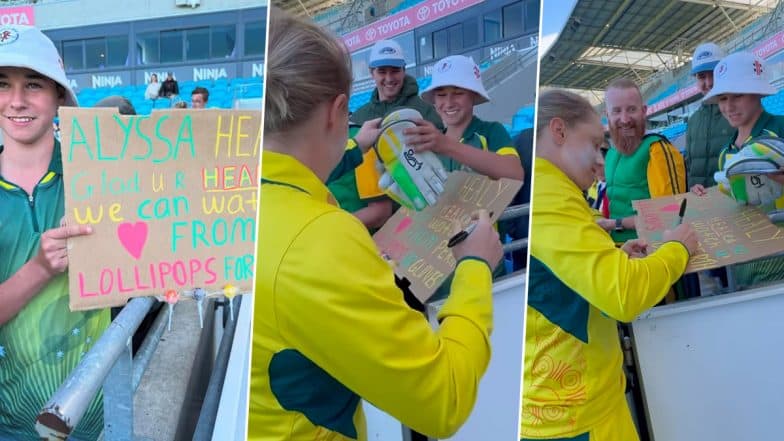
344, 312
666, 170
350, 160
583, 256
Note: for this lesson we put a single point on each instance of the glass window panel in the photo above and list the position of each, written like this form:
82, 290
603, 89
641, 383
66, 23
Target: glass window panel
223, 40
117, 48
426, 47
492, 26
440, 44
471, 32
255, 35
147, 48
171, 46
513, 19
95, 53
72, 55
197, 44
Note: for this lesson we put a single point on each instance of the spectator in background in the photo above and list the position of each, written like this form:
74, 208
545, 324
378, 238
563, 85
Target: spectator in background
170, 88
153, 89
394, 90
707, 131
121, 103
199, 98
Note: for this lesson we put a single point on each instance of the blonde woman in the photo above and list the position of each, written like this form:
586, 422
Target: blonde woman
330, 325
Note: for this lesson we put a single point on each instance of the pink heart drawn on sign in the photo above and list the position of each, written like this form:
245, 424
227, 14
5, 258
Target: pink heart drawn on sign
671, 208
133, 237
403, 225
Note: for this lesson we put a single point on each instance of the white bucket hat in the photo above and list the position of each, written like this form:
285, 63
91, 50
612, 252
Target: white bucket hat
740, 73
457, 71
706, 57
28, 47
386, 53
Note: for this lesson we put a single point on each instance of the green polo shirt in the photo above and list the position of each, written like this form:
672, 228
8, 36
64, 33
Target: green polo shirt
42, 344
486, 135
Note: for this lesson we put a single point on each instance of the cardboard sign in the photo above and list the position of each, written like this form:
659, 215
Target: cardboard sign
417, 240
727, 232
171, 197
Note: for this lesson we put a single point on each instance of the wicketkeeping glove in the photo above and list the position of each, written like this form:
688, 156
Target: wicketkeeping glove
744, 175
414, 180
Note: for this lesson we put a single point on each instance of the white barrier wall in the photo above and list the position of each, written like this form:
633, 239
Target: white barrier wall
711, 368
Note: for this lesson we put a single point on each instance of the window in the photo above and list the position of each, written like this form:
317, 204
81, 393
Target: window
513, 19
254, 38
171, 46
492, 26
197, 44
223, 39
532, 15
359, 65
440, 44
72, 55
470, 32
147, 48
406, 42
95, 53
455, 38
426, 47
117, 49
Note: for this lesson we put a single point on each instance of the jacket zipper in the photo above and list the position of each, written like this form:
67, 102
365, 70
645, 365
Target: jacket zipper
31, 203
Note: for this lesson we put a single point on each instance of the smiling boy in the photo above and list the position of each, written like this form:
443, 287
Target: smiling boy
41, 341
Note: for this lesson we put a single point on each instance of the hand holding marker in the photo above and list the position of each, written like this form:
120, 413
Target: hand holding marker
463, 234
682, 211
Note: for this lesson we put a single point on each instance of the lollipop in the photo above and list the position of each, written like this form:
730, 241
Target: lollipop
171, 296
199, 294
230, 291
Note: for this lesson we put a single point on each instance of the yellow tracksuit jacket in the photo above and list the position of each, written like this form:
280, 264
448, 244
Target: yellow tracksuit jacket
330, 325
580, 285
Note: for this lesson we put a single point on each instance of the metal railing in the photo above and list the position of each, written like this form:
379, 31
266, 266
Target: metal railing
110, 364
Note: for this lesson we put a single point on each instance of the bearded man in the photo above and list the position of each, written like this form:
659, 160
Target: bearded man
638, 166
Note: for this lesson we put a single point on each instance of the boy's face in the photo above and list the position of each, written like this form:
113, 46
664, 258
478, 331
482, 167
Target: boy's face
197, 101
740, 110
28, 105
454, 105
389, 81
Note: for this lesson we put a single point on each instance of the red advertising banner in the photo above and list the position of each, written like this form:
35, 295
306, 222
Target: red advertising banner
404, 21
19, 15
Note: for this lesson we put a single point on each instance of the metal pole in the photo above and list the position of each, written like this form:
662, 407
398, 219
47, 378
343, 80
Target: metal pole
118, 398
514, 245
514, 211
67, 406
209, 408
147, 349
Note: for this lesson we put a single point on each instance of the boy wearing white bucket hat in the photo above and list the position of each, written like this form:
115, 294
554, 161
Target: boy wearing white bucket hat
41, 341
467, 142
740, 82
707, 130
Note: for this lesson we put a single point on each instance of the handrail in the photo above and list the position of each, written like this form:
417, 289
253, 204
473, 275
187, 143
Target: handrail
67, 406
209, 408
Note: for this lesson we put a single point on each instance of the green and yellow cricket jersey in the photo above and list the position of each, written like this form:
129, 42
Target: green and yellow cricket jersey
42, 344
580, 285
330, 326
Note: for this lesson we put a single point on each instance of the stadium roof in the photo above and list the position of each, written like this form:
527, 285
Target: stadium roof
604, 40
307, 7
